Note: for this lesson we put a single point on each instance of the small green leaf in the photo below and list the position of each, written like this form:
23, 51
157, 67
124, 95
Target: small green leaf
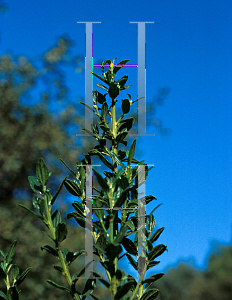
132, 261
123, 290
68, 167
61, 232
58, 191
150, 222
73, 187
14, 271
152, 264
99, 277
80, 220
156, 235
42, 172
99, 77
35, 185
59, 286
56, 218
87, 106
50, 250
11, 252
48, 235
59, 269
125, 106
104, 110
3, 295
153, 278
101, 181
79, 208
36, 202
89, 287
150, 294
157, 251
150, 198
120, 65
113, 90
102, 87
129, 246
131, 152
113, 251
121, 136
22, 277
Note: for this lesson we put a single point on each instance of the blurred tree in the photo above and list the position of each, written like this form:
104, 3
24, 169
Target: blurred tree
185, 282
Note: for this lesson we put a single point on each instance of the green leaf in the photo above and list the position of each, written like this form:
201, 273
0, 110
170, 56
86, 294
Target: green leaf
68, 167
121, 235
103, 281
80, 220
22, 277
152, 278
113, 90
117, 160
59, 286
120, 65
89, 287
50, 250
35, 185
87, 106
98, 97
99, 77
104, 110
125, 106
125, 124
58, 191
150, 222
150, 295
113, 251
129, 246
132, 261
3, 295
14, 271
58, 268
61, 232
12, 293
11, 251
157, 251
149, 199
102, 87
122, 81
73, 187
56, 218
156, 208
42, 172
48, 235
79, 208
131, 152
121, 136
152, 264
156, 235
36, 202
123, 290
101, 181
102, 158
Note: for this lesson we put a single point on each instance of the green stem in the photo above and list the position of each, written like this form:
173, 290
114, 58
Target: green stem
66, 272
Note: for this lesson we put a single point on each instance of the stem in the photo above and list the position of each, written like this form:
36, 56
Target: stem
66, 272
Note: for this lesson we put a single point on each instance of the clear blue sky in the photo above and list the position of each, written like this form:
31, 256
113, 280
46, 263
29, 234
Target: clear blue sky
189, 50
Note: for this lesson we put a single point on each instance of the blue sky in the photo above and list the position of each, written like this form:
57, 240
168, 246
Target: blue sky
188, 49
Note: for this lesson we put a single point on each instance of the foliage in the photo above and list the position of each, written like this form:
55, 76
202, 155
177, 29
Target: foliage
185, 282
116, 189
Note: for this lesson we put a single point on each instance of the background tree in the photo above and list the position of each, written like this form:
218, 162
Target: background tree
185, 282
